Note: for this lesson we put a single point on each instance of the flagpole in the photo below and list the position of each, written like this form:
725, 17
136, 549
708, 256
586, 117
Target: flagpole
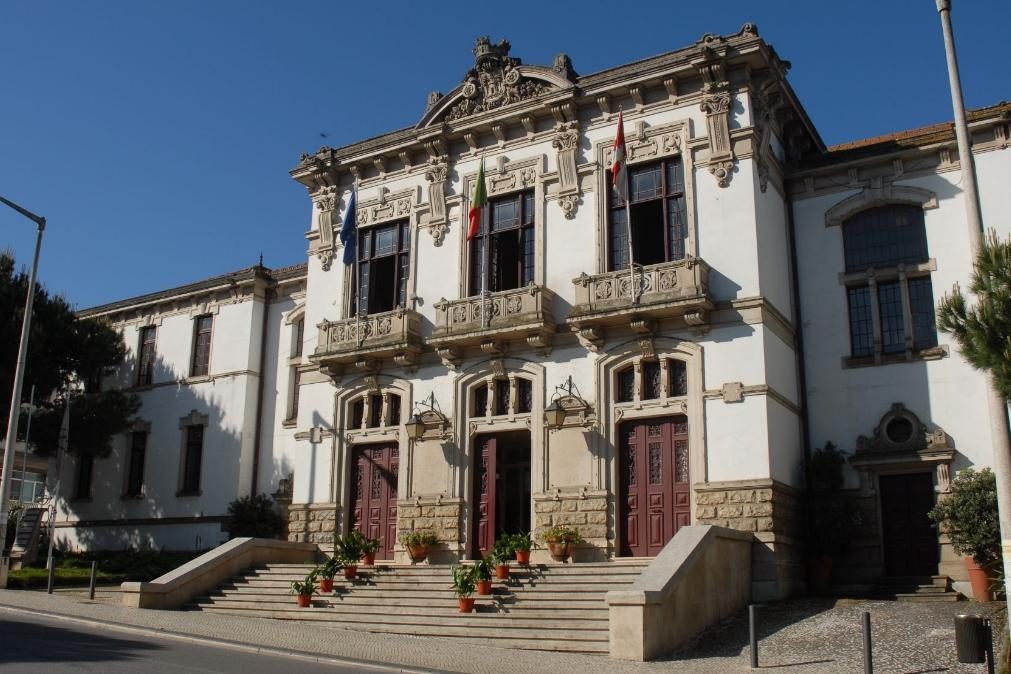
631, 255
485, 318
358, 269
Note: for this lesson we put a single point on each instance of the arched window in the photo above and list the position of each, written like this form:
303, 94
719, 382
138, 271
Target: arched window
888, 287
502, 396
375, 410
658, 379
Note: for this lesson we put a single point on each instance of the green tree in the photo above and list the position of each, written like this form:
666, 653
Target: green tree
983, 330
65, 353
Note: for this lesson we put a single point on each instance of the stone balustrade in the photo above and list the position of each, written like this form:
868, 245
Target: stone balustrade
521, 313
391, 334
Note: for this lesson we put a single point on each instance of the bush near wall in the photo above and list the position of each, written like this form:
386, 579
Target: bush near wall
114, 566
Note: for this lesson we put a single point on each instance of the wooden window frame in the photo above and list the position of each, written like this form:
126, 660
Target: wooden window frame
614, 205
525, 230
200, 361
147, 353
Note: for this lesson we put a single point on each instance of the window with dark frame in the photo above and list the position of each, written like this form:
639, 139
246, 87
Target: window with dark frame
138, 454
509, 238
652, 384
384, 257
375, 411
299, 337
296, 387
357, 413
626, 385
524, 396
192, 458
201, 346
678, 373
85, 472
656, 199
146, 355
876, 242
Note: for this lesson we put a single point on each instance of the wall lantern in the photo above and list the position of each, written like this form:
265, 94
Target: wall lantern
555, 413
415, 426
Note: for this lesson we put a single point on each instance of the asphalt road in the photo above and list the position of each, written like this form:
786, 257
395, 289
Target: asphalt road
33, 644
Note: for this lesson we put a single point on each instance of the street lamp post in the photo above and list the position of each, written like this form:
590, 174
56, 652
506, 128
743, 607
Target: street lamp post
19, 376
996, 404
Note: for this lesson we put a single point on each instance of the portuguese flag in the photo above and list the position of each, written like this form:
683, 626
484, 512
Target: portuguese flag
477, 202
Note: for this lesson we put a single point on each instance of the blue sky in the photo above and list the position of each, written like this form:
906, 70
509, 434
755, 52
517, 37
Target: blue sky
156, 137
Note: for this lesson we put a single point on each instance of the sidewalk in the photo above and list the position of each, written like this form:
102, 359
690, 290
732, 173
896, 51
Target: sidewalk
797, 636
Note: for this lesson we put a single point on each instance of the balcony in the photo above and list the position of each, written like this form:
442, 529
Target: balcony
393, 334
677, 289
520, 314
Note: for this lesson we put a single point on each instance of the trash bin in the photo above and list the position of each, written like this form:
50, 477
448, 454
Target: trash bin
970, 638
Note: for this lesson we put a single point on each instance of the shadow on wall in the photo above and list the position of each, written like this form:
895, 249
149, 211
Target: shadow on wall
115, 519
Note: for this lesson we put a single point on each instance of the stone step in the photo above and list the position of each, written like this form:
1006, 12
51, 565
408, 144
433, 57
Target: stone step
381, 596
560, 610
590, 567
447, 572
554, 603
436, 586
426, 615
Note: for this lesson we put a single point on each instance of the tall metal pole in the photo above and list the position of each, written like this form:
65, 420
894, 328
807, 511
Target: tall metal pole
19, 375
1000, 430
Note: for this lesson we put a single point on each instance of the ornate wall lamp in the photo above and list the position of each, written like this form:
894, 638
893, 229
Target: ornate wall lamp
566, 400
421, 421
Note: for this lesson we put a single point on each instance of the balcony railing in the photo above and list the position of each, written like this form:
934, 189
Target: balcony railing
522, 313
391, 334
665, 290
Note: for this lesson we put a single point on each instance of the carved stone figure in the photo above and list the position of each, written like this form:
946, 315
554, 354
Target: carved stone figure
494, 81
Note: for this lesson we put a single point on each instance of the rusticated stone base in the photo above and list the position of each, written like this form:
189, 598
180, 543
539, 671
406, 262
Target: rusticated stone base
774, 513
443, 517
586, 512
312, 523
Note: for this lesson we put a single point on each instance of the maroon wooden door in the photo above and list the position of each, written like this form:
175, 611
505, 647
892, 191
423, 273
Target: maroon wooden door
656, 489
484, 494
910, 540
374, 471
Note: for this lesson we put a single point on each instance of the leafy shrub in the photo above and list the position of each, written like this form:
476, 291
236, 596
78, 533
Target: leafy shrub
464, 581
561, 535
418, 539
254, 516
969, 515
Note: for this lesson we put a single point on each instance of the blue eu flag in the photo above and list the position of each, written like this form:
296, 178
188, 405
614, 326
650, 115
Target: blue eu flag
349, 230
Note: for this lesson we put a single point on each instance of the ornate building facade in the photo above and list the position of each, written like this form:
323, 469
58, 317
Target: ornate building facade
781, 298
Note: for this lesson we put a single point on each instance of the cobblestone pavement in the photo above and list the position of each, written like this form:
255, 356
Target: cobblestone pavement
796, 636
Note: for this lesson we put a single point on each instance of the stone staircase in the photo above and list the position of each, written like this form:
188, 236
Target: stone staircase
916, 588
554, 607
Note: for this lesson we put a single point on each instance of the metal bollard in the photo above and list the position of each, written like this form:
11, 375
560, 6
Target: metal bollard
91, 583
49, 582
868, 657
974, 640
752, 636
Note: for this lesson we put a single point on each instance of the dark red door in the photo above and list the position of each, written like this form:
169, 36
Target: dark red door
374, 495
910, 541
484, 493
656, 489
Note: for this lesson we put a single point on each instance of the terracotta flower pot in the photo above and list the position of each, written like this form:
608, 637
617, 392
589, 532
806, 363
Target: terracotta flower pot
304, 600
466, 604
979, 577
522, 556
417, 553
350, 572
484, 587
502, 571
369, 559
326, 584
560, 550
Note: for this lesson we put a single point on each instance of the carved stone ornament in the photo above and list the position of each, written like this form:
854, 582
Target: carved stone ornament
436, 174
902, 431
716, 105
494, 81
566, 141
326, 204
387, 207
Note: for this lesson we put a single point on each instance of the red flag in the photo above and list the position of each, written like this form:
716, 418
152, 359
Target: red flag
619, 174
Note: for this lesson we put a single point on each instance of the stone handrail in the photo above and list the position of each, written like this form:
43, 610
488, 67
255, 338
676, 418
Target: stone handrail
664, 282
506, 308
702, 576
389, 328
199, 576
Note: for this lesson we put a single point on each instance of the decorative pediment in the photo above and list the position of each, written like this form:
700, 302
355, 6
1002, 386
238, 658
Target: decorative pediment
497, 80
902, 431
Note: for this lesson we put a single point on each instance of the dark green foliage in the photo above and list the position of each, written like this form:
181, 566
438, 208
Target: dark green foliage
64, 352
114, 566
983, 331
482, 569
969, 515
254, 516
349, 549
464, 580
834, 517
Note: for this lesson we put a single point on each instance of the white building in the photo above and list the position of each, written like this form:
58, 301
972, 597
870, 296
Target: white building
783, 299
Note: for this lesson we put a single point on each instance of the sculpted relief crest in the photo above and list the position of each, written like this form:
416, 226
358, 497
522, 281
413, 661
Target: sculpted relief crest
494, 81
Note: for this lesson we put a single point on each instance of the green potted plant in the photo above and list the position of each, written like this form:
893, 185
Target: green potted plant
464, 586
370, 546
326, 571
349, 550
969, 516
501, 555
418, 544
482, 575
833, 519
521, 545
305, 589
560, 541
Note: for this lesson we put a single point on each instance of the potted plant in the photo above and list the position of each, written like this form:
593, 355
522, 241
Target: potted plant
833, 519
326, 572
501, 555
305, 589
560, 541
418, 544
969, 516
482, 576
369, 548
463, 586
349, 550
521, 545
